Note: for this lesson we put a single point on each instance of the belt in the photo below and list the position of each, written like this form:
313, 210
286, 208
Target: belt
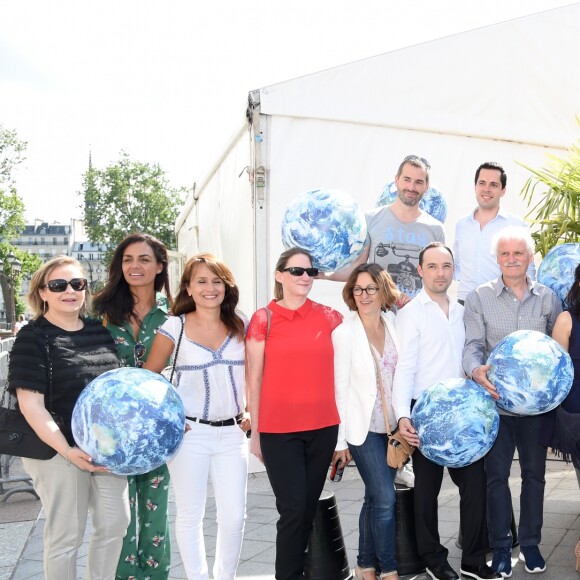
224, 423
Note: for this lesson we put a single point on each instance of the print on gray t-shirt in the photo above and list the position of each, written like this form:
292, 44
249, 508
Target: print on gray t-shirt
395, 245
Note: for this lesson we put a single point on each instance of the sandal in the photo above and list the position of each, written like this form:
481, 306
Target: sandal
577, 554
359, 573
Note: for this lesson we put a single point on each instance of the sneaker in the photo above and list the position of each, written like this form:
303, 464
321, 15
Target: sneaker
533, 559
405, 476
502, 561
481, 572
442, 571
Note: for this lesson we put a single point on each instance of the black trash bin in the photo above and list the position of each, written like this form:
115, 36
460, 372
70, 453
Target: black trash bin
408, 559
326, 557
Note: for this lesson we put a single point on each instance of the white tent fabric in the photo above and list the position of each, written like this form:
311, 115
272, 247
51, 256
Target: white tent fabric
517, 80
507, 93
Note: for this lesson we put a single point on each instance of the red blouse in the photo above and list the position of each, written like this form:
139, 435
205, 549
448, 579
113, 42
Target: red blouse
298, 381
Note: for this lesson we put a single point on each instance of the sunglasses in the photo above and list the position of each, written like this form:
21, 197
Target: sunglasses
297, 271
59, 285
139, 353
415, 158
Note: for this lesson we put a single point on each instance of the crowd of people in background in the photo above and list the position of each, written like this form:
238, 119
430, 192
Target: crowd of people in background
310, 389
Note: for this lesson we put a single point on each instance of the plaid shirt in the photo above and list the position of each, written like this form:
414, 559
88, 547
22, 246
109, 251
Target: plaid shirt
492, 311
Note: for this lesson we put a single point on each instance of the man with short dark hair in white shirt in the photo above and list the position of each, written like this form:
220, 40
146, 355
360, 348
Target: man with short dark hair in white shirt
475, 263
431, 335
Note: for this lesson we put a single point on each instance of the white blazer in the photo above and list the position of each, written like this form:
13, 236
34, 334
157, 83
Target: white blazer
355, 382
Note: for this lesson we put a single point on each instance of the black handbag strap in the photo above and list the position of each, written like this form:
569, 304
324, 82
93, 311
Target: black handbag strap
48, 370
5, 401
177, 348
6, 395
269, 319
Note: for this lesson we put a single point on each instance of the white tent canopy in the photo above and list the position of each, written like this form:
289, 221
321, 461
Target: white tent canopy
509, 93
514, 81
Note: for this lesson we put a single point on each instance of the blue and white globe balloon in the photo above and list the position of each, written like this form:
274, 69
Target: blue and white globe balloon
456, 421
129, 420
557, 269
329, 224
433, 201
532, 373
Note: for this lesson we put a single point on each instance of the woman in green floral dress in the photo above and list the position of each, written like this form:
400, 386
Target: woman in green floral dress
133, 304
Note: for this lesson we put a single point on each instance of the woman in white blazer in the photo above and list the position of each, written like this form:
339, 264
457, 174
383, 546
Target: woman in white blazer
364, 343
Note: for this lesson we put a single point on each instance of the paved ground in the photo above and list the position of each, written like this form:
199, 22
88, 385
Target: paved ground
21, 524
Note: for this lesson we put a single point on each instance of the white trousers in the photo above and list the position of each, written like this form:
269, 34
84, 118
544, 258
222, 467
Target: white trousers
222, 453
68, 494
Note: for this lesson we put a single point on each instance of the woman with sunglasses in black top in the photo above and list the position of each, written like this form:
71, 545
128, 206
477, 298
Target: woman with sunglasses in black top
133, 304
292, 402
52, 360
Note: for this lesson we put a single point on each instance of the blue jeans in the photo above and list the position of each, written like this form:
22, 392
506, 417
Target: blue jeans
376, 547
522, 433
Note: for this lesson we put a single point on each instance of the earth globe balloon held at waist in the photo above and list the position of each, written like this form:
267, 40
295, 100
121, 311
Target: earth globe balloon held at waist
456, 421
433, 202
556, 270
532, 373
129, 420
329, 224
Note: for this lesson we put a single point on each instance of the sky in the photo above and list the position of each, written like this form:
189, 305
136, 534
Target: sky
167, 82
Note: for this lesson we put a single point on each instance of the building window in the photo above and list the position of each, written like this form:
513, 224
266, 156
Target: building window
54, 241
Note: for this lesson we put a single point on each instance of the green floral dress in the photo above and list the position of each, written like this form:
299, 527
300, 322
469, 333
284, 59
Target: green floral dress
146, 548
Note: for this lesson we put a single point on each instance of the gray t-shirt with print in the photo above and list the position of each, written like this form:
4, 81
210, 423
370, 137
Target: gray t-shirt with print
395, 245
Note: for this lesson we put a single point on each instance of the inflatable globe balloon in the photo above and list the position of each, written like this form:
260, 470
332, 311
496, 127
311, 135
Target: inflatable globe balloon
557, 269
531, 372
130, 420
329, 224
433, 201
456, 421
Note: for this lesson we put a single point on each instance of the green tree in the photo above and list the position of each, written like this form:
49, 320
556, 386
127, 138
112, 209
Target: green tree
11, 154
557, 211
12, 220
129, 196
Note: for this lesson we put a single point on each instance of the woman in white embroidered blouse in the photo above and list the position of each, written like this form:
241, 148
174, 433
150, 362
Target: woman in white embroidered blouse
364, 345
210, 378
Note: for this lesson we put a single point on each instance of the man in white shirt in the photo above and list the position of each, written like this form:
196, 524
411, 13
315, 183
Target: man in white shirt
431, 335
475, 262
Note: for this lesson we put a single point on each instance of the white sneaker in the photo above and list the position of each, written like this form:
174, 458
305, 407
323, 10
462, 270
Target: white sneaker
405, 476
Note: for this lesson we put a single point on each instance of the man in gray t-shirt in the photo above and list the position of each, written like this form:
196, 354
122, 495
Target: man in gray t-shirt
396, 245
397, 233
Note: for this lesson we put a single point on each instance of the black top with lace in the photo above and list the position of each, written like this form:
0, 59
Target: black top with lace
77, 358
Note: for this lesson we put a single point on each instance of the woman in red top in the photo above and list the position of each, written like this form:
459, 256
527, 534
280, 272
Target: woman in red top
292, 402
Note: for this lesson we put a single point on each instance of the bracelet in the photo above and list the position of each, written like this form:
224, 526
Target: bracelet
68, 463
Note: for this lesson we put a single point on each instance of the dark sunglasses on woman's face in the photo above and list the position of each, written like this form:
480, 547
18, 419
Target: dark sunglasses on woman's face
139, 353
297, 271
59, 285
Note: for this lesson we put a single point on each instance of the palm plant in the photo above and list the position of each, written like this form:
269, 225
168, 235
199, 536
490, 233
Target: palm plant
557, 211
